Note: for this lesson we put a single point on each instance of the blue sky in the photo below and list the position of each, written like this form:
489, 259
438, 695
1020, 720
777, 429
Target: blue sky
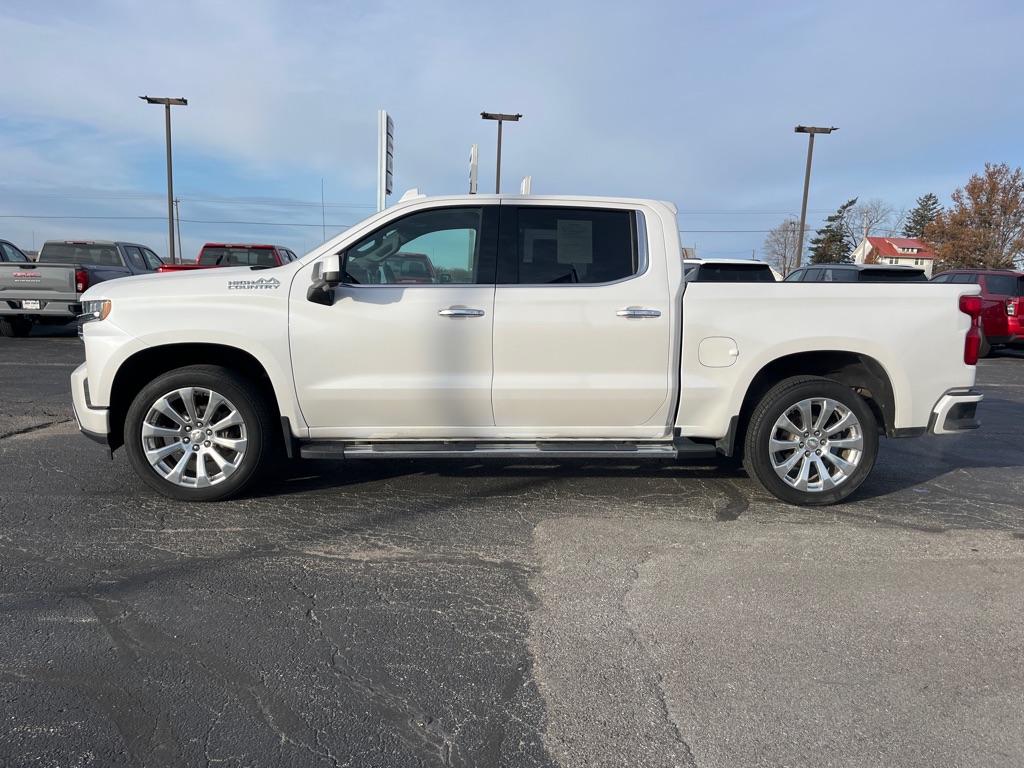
693, 102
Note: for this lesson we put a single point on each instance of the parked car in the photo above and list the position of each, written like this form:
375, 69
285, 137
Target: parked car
728, 271
856, 273
47, 291
1002, 305
10, 252
236, 255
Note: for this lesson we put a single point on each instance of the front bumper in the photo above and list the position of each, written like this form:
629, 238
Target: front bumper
956, 411
93, 422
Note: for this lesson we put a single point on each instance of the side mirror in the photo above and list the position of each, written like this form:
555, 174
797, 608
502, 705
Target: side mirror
326, 275
329, 270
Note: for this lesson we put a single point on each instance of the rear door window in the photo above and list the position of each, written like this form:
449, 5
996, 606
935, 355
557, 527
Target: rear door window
839, 275
135, 257
543, 245
810, 276
152, 260
1001, 285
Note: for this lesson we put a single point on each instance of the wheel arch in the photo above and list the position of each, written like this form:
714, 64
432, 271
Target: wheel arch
862, 373
144, 366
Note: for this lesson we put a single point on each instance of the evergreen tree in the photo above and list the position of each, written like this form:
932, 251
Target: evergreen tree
833, 243
925, 213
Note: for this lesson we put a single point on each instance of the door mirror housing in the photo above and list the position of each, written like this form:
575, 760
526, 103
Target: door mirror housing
327, 274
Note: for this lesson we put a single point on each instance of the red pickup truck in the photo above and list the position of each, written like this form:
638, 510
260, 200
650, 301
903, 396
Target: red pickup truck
236, 255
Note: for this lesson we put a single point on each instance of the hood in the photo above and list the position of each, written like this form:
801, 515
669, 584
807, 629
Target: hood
216, 280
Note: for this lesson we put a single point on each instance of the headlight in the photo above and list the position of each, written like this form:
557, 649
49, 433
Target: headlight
94, 310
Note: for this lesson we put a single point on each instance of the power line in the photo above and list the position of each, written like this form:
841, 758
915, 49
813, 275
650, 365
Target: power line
214, 200
164, 218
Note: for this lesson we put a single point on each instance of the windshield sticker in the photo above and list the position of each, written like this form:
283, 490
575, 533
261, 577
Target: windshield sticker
262, 284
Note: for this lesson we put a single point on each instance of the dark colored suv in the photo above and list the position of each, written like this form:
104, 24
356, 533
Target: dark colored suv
1002, 304
856, 273
727, 271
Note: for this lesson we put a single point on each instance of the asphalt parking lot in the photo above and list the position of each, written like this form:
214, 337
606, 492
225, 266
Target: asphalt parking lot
406, 613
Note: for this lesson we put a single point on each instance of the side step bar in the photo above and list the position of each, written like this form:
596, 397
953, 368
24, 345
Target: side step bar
323, 449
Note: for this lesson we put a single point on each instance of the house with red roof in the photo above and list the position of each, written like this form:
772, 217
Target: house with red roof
895, 250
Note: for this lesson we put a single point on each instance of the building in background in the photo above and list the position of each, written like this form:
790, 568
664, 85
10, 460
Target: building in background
895, 250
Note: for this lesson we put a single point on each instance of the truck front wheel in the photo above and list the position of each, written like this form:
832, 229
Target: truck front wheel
199, 433
811, 441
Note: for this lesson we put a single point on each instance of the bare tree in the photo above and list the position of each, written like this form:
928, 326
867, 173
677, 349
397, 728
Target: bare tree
873, 218
780, 246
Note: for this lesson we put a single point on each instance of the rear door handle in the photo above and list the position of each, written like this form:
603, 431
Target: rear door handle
640, 313
460, 312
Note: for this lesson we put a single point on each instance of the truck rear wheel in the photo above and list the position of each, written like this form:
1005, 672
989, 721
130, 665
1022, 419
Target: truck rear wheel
811, 441
200, 433
15, 327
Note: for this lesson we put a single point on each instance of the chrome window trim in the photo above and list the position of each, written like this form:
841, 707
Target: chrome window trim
642, 253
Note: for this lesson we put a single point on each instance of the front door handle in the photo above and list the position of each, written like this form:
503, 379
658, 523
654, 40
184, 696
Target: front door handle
460, 312
640, 313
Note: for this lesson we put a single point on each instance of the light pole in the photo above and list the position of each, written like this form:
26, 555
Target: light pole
168, 103
807, 182
500, 119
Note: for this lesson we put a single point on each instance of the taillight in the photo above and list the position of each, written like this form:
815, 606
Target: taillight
971, 305
1011, 307
81, 280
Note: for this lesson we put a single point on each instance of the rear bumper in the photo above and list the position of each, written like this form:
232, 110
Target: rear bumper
93, 422
64, 310
956, 411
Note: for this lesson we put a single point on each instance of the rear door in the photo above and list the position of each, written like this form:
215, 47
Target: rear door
582, 325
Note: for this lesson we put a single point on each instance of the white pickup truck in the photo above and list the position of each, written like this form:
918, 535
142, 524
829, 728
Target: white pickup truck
553, 327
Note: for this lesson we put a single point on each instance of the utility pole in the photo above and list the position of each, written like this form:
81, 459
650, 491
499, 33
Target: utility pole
168, 103
177, 218
500, 118
807, 181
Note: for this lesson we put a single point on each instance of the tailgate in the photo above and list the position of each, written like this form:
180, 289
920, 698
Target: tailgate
37, 281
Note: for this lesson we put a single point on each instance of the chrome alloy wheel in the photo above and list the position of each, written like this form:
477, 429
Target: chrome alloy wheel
816, 444
194, 437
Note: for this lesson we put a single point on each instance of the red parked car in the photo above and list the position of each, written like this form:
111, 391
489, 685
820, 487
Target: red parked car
1002, 304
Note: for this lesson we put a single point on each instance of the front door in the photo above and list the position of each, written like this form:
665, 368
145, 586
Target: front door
395, 358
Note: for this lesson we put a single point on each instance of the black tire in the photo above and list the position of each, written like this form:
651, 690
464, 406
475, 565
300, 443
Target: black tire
984, 348
176, 450
811, 441
15, 327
